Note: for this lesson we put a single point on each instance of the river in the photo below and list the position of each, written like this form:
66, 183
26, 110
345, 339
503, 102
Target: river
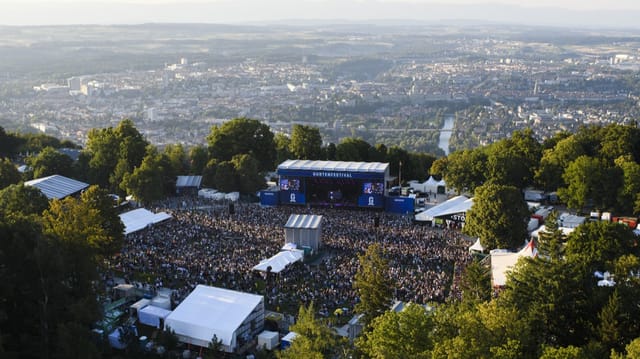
445, 134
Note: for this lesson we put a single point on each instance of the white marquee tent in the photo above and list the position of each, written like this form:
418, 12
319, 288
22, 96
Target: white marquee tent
153, 316
503, 261
280, 261
458, 204
140, 218
226, 313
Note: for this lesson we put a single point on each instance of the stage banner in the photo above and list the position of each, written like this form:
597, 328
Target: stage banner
288, 197
370, 200
400, 205
269, 198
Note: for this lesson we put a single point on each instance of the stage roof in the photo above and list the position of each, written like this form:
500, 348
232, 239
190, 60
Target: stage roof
333, 166
211, 310
56, 186
305, 221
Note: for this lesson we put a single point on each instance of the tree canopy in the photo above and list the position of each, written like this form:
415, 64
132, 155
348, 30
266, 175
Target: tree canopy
499, 216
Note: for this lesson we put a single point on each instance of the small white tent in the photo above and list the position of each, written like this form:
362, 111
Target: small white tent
503, 261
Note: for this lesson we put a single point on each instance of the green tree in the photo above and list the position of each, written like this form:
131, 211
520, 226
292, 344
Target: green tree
569, 352
476, 283
352, 149
513, 161
96, 198
590, 180
306, 142
21, 199
243, 136
51, 162
628, 192
198, 158
225, 177
147, 182
404, 334
466, 170
373, 285
554, 161
632, 351
283, 153
552, 297
596, 245
314, 339
499, 216
8, 173
122, 146
481, 331
176, 158
248, 178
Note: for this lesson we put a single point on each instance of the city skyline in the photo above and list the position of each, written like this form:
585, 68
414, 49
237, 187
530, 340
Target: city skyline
569, 13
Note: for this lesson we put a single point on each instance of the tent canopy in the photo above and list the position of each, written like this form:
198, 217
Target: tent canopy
151, 315
211, 310
477, 247
56, 186
459, 204
502, 262
140, 218
280, 261
188, 181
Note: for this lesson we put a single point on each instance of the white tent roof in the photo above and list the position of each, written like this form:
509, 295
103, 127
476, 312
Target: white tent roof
454, 205
140, 218
188, 181
307, 221
280, 261
151, 315
543, 229
56, 186
211, 310
477, 246
308, 165
502, 262
431, 182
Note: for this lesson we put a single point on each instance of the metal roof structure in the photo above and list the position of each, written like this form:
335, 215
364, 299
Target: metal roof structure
308, 165
56, 186
189, 181
305, 221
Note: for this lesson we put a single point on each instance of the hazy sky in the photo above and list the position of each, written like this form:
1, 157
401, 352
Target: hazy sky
587, 12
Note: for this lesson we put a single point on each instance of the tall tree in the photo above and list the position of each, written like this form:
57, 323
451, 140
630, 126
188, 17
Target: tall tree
373, 284
243, 136
249, 179
590, 180
306, 142
122, 147
513, 161
51, 162
147, 182
352, 149
466, 170
404, 334
476, 283
25, 200
8, 173
283, 152
314, 339
198, 158
499, 216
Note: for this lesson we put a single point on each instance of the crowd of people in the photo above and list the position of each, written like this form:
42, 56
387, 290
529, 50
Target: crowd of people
206, 244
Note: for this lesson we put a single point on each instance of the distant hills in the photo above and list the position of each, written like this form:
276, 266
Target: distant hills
293, 12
